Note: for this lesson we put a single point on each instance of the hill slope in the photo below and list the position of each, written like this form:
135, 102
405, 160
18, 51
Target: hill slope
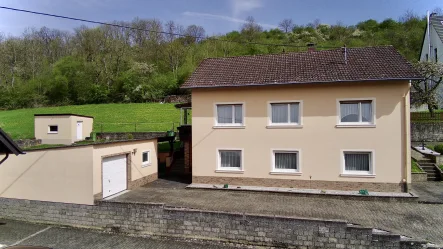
109, 117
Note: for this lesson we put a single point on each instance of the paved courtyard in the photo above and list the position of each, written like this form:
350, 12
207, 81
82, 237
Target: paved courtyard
417, 220
21, 233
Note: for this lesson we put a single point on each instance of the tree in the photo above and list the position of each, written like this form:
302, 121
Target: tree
425, 90
286, 25
250, 29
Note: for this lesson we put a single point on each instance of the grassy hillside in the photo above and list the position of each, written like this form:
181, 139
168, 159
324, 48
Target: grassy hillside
109, 117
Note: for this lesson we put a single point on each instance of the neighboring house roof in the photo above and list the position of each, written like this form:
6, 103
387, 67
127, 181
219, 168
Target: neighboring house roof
362, 64
61, 114
437, 23
7, 146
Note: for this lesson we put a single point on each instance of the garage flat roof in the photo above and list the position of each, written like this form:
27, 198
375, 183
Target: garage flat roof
159, 136
61, 114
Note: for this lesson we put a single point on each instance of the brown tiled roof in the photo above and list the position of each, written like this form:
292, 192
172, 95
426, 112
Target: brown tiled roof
363, 64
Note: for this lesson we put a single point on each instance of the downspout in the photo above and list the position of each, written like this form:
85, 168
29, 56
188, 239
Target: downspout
407, 138
4, 159
428, 34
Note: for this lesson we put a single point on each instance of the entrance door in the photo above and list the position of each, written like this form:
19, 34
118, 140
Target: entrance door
80, 130
114, 175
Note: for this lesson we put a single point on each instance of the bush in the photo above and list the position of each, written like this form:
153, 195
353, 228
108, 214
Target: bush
438, 148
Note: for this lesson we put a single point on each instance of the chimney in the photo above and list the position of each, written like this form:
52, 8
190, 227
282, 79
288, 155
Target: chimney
311, 47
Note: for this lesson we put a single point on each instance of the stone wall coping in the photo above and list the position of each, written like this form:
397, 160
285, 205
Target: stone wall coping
303, 191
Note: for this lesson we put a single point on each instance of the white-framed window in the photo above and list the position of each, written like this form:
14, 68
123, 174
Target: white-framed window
53, 129
285, 113
229, 114
230, 160
286, 161
146, 158
358, 162
356, 112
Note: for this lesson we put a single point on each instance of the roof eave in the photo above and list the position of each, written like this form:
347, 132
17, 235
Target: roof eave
10, 144
298, 82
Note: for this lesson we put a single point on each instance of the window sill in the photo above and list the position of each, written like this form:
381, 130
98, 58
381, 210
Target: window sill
230, 171
228, 127
52, 132
358, 175
284, 126
284, 173
355, 126
146, 165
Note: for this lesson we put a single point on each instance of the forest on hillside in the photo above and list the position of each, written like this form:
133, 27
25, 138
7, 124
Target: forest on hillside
109, 64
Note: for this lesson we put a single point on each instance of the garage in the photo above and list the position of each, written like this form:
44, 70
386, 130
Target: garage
114, 175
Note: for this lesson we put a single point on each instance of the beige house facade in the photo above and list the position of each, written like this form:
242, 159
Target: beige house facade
318, 141
79, 174
62, 128
280, 121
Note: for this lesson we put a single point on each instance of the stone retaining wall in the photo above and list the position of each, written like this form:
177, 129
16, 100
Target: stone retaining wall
24, 143
157, 219
427, 131
115, 136
419, 177
178, 99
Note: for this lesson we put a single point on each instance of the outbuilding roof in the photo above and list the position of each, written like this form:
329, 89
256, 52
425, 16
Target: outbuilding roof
7, 145
337, 65
61, 114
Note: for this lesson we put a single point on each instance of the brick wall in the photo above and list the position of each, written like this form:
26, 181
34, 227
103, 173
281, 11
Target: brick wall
288, 183
188, 155
157, 219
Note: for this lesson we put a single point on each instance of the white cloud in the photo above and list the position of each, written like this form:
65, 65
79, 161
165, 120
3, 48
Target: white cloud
222, 17
242, 6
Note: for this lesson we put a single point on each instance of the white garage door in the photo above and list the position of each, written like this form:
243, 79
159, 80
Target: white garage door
114, 175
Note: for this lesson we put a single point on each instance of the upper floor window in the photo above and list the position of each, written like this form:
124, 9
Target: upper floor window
285, 113
229, 115
356, 112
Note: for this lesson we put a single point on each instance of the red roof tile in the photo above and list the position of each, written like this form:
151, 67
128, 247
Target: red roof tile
363, 64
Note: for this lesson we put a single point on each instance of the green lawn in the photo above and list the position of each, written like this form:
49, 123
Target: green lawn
107, 117
414, 167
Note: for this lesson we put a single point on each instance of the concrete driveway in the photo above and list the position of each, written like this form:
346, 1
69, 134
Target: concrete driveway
429, 192
416, 220
20, 233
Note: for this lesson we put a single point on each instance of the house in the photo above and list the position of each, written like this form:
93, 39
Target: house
332, 119
82, 173
432, 50
8, 146
63, 128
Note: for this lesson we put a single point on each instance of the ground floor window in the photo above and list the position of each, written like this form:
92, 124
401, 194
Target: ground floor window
285, 161
146, 158
358, 162
230, 159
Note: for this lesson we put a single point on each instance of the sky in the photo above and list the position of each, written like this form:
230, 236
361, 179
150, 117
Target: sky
216, 16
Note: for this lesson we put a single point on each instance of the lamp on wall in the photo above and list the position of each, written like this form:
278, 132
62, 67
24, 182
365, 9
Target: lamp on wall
134, 151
